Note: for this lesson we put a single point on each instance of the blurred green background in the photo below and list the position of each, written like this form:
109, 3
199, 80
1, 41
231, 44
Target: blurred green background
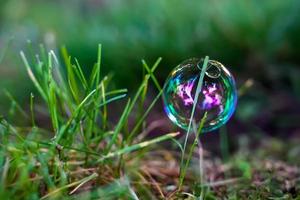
257, 40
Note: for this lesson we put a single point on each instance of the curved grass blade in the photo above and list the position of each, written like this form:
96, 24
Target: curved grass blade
138, 146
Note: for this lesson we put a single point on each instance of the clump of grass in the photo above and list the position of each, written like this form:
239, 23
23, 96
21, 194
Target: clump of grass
81, 151
81, 142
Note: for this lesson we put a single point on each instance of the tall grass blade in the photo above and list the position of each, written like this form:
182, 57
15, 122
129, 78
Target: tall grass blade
32, 76
119, 126
198, 90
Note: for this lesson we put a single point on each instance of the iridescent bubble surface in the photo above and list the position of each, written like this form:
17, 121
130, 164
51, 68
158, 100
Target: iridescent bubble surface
218, 96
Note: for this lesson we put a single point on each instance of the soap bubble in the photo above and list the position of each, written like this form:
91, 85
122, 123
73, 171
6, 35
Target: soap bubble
218, 96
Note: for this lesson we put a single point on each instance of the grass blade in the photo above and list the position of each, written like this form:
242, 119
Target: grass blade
32, 76
12, 99
74, 115
183, 171
141, 120
32, 109
138, 146
119, 125
79, 183
80, 75
198, 90
52, 104
151, 71
71, 76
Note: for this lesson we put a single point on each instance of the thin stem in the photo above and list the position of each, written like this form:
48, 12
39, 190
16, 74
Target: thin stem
184, 169
32, 109
198, 90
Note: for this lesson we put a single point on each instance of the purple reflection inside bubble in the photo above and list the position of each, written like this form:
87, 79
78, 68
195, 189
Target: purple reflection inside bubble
184, 91
210, 93
211, 97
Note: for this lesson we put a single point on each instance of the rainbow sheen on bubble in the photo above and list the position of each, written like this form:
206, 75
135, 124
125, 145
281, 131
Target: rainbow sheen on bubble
218, 96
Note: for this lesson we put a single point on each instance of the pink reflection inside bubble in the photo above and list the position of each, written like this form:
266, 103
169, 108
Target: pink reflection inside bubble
184, 91
211, 97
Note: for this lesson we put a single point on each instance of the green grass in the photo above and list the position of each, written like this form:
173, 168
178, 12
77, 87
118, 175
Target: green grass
77, 108
82, 154
191, 121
